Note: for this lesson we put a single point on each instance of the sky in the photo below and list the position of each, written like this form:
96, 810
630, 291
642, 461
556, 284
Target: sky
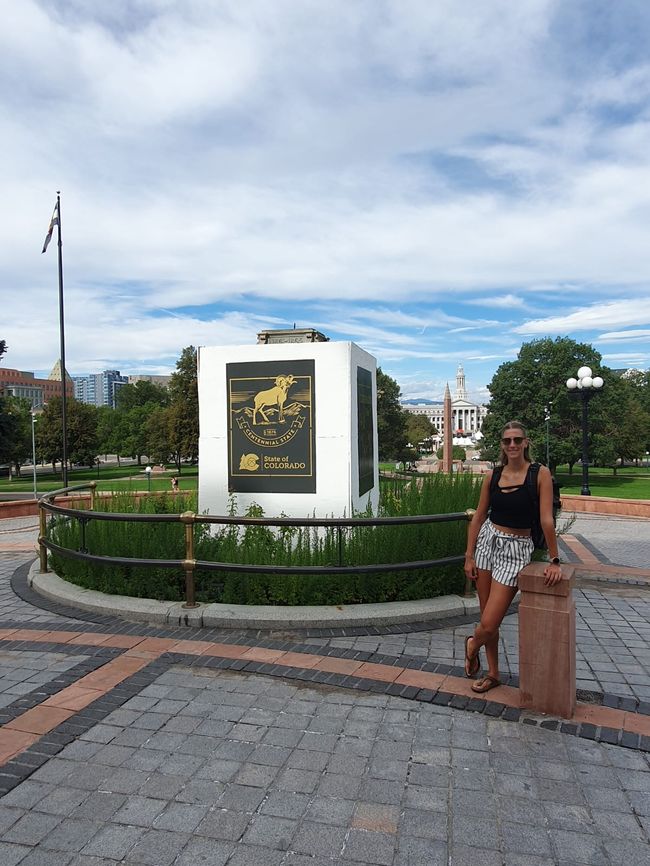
438, 181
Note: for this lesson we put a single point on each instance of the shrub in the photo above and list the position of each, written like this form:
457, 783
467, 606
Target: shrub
293, 546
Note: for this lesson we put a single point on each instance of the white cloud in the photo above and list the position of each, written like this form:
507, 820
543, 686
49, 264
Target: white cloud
381, 169
500, 302
630, 311
632, 334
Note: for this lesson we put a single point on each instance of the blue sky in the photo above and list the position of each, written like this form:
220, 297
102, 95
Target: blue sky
436, 180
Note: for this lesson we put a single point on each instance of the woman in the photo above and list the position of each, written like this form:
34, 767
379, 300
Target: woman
499, 546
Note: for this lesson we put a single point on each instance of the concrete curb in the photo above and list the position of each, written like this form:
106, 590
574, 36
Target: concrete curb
51, 586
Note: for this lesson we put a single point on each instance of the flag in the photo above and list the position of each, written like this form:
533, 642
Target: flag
53, 222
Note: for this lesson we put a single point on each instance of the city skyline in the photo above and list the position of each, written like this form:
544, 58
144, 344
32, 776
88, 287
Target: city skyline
436, 182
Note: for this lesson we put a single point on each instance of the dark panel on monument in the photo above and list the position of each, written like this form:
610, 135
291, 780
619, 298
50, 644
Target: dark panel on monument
271, 432
366, 438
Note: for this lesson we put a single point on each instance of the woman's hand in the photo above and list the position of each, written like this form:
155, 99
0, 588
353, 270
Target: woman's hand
471, 572
552, 574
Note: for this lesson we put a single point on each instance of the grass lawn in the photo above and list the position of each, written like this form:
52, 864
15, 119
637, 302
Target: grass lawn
631, 482
128, 477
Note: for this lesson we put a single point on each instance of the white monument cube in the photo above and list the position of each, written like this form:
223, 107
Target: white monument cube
291, 427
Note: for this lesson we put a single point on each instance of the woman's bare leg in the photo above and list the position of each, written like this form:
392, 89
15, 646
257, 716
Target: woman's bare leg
493, 610
483, 586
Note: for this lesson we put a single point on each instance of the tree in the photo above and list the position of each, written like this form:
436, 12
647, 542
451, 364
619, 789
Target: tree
141, 394
625, 428
391, 418
49, 436
19, 445
457, 453
182, 417
111, 431
8, 426
521, 390
418, 428
9, 434
639, 381
82, 432
159, 446
619, 422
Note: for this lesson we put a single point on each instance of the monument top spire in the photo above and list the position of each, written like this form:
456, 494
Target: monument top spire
461, 391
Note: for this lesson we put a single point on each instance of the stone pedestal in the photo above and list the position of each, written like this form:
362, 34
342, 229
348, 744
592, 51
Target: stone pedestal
547, 642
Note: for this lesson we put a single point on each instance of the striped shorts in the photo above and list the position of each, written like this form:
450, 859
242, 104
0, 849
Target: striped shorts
503, 554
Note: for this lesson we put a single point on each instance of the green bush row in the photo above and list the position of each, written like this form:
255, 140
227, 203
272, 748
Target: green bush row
292, 546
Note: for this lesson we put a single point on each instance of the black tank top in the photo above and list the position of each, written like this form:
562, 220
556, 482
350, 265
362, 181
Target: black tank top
511, 506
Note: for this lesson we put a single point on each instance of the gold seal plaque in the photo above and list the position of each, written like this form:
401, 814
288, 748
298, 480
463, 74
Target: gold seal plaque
271, 435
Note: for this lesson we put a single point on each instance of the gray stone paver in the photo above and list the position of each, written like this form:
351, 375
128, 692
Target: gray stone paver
521, 794
229, 769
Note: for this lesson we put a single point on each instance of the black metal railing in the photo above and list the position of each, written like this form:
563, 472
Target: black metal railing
189, 518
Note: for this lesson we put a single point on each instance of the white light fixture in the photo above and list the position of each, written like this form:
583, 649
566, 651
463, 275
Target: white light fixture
584, 387
585, 379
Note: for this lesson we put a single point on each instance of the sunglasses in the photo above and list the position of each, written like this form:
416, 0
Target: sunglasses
516, 440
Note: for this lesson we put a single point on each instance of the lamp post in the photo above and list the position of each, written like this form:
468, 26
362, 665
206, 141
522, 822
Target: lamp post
34, 454
147, 470
547, 418
585, 386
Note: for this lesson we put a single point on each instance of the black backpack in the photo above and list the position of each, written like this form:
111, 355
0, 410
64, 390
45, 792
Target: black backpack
536, 532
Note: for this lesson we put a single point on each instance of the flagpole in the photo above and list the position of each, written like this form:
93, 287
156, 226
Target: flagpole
64, 399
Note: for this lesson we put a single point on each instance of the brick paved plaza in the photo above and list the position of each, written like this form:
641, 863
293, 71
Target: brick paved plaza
123, 743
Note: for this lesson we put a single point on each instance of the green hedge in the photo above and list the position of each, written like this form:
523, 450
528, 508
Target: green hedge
294, 546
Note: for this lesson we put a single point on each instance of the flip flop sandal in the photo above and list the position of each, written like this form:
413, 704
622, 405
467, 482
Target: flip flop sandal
485, 684
472, 663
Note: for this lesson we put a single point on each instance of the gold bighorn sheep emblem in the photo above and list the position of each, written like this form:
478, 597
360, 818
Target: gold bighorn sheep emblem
272, 397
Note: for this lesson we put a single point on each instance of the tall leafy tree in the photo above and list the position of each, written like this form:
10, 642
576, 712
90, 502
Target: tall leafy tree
112, 432
19, 446
418, 428
182, 416
8, 430
619, 425
49, 435
625, 427
10, 434
140, 394
391, 418
639, 381
135, 404
82, 432
524, 388
159, 446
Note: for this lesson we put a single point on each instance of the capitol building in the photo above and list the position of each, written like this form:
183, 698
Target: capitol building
467, 417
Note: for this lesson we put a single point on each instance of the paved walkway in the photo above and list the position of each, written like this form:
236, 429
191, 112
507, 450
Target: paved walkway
121, 743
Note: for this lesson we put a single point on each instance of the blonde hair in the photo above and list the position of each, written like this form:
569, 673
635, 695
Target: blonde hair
514, 425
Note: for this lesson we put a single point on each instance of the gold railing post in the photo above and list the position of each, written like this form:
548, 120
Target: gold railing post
93, 491
469, 584
188, 518
42, 529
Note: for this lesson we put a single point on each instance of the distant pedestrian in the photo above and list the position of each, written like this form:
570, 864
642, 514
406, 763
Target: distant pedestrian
174, 483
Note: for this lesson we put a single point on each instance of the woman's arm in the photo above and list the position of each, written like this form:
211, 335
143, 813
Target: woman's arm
478, 520
552, 573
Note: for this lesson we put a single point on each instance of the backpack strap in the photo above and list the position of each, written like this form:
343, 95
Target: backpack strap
531, 482
494, 481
